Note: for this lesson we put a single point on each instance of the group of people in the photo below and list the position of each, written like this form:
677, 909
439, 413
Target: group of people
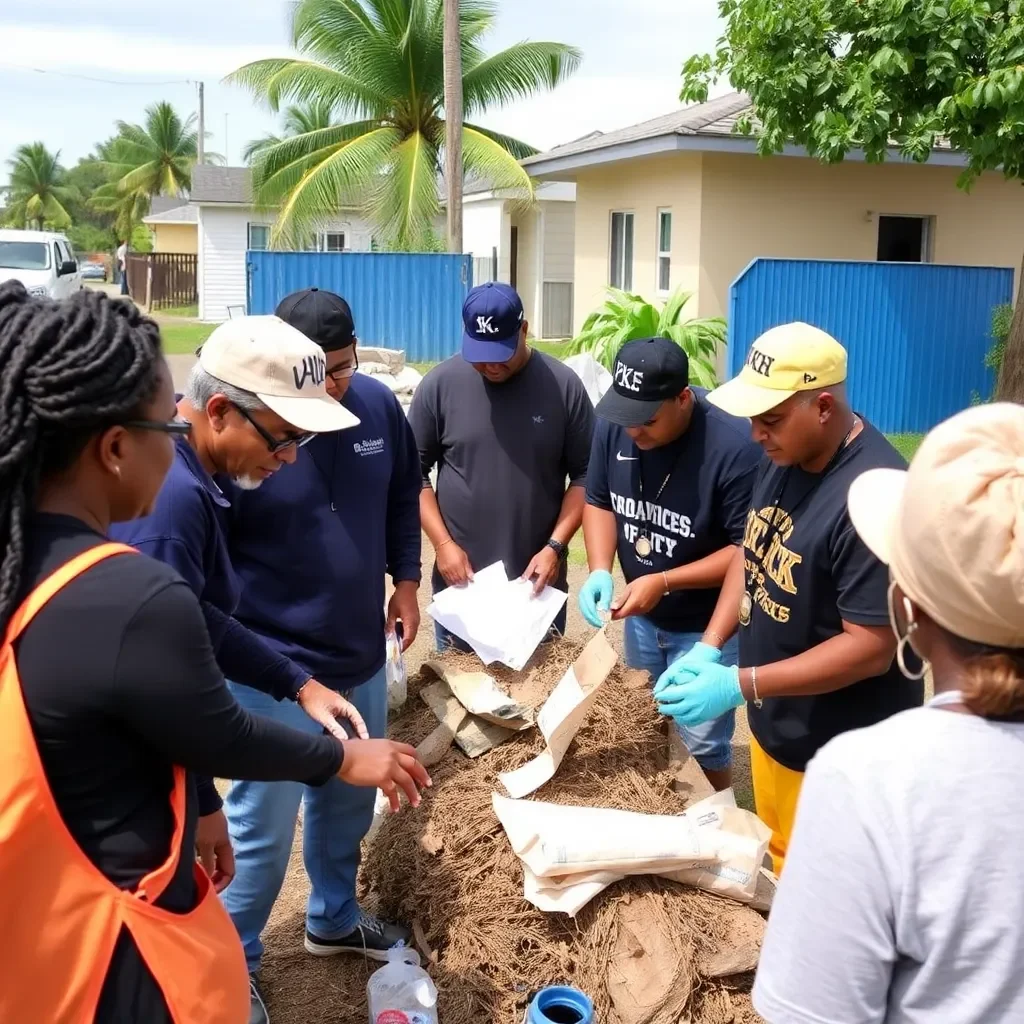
755, 526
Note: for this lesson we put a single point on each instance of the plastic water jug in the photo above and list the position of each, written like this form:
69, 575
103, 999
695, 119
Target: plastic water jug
401, 992
560, 1005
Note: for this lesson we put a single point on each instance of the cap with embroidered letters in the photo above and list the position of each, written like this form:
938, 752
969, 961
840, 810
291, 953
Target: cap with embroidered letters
781, 363
280, 366
492, 316
647, 372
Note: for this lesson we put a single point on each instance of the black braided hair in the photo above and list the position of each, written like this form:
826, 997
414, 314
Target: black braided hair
67, 371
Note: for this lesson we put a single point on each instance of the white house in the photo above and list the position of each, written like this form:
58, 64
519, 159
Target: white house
530, 247
228, 226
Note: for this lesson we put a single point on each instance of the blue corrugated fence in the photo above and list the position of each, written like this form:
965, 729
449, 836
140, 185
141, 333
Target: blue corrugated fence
916, 333
409, 301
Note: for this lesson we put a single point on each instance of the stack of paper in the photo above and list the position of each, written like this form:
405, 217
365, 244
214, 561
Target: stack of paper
499, 618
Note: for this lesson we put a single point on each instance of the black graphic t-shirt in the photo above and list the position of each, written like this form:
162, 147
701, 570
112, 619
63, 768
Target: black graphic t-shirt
702, 508
807, 571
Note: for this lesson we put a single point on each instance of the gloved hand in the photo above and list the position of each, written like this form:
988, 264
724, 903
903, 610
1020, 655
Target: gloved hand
699, 654
694, 694
596, 596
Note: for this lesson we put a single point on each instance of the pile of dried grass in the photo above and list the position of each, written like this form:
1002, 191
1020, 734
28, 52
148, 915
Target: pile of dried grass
636, 949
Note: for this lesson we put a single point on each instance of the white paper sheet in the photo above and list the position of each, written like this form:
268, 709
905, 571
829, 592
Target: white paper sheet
498, 617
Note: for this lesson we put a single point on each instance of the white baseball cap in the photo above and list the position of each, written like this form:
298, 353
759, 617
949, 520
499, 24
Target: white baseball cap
280, 366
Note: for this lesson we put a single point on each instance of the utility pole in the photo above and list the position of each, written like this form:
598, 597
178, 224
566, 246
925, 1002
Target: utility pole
227, 144
202, 126
453, 122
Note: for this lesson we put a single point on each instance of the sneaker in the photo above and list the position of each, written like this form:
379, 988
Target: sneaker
257, 1007
370, 937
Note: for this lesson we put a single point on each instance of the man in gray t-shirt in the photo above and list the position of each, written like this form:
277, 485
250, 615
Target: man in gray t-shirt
505, 426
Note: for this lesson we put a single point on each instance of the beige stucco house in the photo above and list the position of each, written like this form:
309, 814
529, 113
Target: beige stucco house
174, 225
682, 201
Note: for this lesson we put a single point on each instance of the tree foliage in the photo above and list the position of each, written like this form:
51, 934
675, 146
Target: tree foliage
376, 66
298, 119
839, 75
37, 194
625, 317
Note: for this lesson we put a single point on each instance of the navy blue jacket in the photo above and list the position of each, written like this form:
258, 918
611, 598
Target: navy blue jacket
312, 545
187, 532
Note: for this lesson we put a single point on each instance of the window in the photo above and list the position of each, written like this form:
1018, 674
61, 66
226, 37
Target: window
904, 239
621, 257
259, 236
664, 250
332, 241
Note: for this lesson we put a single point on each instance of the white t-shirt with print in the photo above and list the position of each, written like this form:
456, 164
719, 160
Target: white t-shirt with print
902, 898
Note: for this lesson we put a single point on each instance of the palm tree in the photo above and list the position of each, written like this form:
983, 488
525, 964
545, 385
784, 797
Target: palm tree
36, 193
299, 119
147, 160
378, 63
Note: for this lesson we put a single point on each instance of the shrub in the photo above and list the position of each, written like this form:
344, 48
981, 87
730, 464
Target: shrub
624, 317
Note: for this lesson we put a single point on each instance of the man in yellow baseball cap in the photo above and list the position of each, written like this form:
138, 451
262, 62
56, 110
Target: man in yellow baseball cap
807, 596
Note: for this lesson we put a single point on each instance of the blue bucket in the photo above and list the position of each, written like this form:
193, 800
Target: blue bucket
560, 1005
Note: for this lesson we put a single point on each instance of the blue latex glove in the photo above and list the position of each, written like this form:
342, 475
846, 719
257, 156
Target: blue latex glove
694, 694
699, 654
596, 596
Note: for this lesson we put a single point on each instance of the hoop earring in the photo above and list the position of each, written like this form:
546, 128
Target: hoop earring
901, 655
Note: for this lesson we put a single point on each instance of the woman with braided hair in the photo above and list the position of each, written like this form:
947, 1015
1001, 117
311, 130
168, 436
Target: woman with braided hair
110, 695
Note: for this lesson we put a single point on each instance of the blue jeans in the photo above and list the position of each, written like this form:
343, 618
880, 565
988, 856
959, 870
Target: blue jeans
336, 817
653, 649
445, 639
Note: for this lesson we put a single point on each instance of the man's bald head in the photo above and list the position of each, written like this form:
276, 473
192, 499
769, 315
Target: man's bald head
806, 429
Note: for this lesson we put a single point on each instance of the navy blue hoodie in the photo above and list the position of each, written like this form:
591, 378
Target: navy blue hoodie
312, 545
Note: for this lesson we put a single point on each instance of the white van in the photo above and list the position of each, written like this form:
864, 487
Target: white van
41, 260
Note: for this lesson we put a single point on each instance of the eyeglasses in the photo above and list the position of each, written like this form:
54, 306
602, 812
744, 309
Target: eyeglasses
177, 426
344, 372
275, 444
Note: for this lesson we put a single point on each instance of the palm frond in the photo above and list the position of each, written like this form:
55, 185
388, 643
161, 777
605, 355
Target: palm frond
405, 201
316, 186
517, 72
277, 79
495, 164
520, 150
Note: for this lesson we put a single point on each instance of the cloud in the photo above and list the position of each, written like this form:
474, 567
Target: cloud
125, 55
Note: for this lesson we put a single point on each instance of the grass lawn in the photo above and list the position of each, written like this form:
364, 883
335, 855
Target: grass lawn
180, 311
183, 337
906, 444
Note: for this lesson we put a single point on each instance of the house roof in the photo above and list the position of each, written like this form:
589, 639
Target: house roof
185, 213
717, 116
212, 184
161, 204
702, 126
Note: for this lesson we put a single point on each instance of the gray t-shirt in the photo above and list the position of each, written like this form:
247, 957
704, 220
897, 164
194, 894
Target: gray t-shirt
503, 453
901, 900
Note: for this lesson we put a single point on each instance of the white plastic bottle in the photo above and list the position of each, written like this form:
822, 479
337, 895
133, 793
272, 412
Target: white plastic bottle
401, 992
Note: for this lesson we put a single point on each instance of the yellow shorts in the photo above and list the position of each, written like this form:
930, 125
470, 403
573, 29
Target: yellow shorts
776, 791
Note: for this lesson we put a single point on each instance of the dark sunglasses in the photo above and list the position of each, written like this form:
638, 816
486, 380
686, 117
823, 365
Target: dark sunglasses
344, 372
275, 444
177, 426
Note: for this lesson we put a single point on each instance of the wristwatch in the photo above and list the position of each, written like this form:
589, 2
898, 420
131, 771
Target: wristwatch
557, 546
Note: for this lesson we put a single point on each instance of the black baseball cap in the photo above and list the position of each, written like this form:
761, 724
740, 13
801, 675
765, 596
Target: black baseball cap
647, 372
322, 317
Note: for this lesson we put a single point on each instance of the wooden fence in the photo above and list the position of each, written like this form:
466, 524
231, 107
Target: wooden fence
160, 280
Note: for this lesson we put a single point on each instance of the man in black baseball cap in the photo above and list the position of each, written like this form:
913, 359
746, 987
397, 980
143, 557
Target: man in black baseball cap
668, 490
313, 554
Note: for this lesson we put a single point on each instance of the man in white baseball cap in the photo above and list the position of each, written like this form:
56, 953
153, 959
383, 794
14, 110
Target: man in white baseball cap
257, 393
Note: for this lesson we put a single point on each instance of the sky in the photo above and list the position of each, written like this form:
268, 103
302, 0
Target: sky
53, 50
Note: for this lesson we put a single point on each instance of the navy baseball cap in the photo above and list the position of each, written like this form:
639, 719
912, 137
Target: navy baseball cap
322, 317
493, 317
647, 372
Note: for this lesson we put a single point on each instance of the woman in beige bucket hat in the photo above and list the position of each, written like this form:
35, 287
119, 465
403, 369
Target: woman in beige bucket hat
903, 898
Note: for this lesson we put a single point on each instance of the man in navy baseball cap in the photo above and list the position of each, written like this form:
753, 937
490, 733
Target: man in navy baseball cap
495, 326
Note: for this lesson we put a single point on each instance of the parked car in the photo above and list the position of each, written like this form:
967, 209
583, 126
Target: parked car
94, 272
41, 260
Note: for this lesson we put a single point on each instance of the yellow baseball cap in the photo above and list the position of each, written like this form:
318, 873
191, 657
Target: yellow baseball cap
781, 363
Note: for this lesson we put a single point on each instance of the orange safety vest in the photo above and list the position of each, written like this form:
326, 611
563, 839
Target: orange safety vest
60, 917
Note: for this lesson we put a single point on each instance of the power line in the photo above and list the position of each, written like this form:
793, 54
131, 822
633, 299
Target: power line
90, 78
